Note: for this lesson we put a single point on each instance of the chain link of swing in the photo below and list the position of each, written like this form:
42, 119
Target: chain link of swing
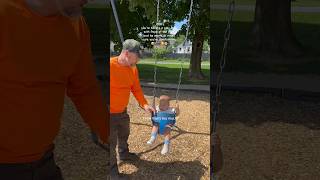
156, 60
184, 42
181, 62
216, 104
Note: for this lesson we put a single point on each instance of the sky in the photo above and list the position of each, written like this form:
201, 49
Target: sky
177, 26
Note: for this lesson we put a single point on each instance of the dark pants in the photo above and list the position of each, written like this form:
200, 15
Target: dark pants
43, 169
119, 134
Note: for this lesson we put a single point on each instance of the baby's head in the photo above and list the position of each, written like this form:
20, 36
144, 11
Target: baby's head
164, 103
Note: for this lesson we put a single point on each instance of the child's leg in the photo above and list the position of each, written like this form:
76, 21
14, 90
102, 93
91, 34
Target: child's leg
154, 133
154, 129
167, 136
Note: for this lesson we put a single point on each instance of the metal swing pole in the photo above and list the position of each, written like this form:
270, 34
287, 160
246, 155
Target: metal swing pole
115, 14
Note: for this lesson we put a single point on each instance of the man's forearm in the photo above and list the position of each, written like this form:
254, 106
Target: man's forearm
138, 94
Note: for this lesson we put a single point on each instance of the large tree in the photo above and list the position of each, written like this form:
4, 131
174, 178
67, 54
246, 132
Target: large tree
272, 31
200, 26
131, 22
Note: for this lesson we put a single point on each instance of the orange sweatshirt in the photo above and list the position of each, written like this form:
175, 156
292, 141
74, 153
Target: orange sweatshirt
41, 60
124, 80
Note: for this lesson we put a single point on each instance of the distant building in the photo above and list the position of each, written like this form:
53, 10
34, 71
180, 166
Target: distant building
184, 48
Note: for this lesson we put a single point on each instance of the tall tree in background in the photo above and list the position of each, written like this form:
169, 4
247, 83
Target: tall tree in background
131, 22
273, 34
200, 29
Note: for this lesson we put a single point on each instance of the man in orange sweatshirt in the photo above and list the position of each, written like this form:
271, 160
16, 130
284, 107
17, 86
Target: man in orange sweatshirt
44, 54
124, 79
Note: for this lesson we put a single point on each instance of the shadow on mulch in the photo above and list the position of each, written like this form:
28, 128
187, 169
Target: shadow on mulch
175, 128
255, 109
171, 170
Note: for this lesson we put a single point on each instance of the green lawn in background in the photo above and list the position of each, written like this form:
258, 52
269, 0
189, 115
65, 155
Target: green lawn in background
169, 73
184, 60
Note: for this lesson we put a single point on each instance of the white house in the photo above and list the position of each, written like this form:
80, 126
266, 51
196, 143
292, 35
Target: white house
184, 49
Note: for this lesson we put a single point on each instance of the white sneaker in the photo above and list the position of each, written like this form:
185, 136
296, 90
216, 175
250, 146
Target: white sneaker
151, 140
165, 149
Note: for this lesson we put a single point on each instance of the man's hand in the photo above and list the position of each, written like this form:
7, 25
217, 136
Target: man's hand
149, 108
99, 142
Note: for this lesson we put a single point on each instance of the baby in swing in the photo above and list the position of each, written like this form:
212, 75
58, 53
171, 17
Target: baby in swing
164, 108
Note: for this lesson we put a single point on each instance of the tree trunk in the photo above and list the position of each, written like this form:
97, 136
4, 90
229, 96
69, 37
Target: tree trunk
272, 32
195, 63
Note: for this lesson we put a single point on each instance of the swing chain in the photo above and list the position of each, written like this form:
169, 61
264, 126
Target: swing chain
156, 60
184, 42
181, 62
216, 107
155, 83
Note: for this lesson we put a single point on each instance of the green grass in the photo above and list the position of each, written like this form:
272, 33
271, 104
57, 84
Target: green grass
169, 73
305, 3
306, 27
184, 60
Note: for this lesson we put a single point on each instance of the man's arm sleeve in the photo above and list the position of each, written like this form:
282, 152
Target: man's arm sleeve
137, 90
84, 90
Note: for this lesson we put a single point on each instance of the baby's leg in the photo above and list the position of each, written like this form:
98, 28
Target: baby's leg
154, 133
167, 136
155, 129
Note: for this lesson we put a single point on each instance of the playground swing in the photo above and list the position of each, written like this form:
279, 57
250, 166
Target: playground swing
161, 118
164, 119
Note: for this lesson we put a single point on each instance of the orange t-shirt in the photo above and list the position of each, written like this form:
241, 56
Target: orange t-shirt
124, 80
41, 60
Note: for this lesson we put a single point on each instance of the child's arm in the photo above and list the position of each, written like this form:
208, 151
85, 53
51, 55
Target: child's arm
218, 155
